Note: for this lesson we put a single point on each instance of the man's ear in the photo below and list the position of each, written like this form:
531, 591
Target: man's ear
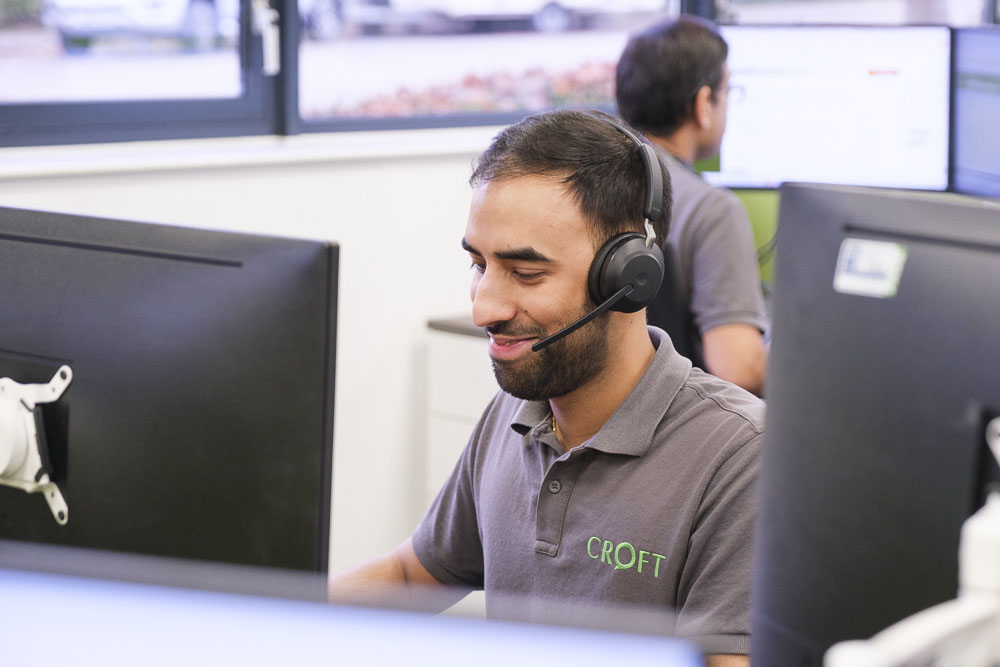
703, 105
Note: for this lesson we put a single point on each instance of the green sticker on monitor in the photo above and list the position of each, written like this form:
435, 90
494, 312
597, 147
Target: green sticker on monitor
869, 268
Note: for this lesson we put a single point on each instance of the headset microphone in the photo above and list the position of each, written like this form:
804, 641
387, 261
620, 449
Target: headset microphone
626, 273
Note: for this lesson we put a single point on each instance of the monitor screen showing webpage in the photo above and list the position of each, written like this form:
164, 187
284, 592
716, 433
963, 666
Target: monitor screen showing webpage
857, 105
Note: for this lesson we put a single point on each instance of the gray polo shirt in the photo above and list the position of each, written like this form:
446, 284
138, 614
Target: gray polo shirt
712, 238
654, 511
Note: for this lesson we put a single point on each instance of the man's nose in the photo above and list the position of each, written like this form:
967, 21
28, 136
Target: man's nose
491, 302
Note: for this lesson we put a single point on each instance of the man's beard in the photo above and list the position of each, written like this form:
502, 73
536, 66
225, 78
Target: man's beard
557, 369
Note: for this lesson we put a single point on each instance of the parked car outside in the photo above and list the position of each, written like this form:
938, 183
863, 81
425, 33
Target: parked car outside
200, 25
543, 15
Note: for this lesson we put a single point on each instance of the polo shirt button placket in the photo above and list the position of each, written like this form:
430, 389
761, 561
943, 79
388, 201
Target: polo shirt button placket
550, 513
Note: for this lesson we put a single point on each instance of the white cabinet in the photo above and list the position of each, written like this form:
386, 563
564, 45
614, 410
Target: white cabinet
460, 384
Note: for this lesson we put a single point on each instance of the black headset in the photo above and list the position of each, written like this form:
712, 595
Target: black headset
631, 258
627, 270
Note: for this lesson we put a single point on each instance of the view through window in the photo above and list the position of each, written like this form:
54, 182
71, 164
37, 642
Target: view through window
115, 50
437, 57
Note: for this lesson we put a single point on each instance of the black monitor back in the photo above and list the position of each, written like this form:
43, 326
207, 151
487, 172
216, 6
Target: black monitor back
199, 421
877, 402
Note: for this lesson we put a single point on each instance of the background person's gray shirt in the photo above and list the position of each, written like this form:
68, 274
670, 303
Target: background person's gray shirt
713, 244
655, 510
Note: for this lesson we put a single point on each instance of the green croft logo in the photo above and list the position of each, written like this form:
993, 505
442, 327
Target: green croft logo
623, 555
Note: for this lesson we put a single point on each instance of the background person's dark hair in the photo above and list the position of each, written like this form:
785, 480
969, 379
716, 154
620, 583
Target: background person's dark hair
661, 70
600, 166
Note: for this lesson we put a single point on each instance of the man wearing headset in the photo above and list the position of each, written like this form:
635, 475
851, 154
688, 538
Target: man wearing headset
608, 471
672, 84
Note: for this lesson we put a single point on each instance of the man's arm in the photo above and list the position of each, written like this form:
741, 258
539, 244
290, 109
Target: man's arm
737, 353
396, 579
727, 660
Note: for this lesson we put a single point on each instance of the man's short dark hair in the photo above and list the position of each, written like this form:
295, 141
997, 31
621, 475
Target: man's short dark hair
600, 166
662, 69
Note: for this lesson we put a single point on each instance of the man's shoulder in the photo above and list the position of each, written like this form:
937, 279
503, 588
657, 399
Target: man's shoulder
707, 195
701, 418
711, 432
697, 199
704, 396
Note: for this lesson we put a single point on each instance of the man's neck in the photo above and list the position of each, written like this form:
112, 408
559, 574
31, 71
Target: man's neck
581, 414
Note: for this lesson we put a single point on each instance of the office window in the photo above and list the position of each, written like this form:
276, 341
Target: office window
103, 50
77, 71
107, 70
421, 61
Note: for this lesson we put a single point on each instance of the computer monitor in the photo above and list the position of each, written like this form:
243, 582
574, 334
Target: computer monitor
864, 105
976, 108
196, 416
71, 606
881, 380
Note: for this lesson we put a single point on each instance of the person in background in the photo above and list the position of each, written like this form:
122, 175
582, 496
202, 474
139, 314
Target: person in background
672, 84
607, 470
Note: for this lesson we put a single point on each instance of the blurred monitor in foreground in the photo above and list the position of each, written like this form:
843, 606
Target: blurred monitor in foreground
166, 390
120, 609
882, 381
864, 105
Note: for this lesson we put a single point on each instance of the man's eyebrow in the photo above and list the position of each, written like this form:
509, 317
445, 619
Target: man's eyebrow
468, 248
527, 254
522, 254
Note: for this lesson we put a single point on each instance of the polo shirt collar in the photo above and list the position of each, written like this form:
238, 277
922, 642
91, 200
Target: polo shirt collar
630, 429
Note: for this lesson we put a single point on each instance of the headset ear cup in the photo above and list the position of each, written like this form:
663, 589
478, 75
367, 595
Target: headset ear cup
644, 271
595, 277
625, 260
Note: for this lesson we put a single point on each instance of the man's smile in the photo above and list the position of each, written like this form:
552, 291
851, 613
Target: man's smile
508, 347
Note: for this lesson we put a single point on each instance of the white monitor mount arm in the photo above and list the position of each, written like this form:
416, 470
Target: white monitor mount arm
23, 452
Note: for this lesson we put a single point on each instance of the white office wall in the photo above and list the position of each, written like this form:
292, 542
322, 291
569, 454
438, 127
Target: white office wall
397, 205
